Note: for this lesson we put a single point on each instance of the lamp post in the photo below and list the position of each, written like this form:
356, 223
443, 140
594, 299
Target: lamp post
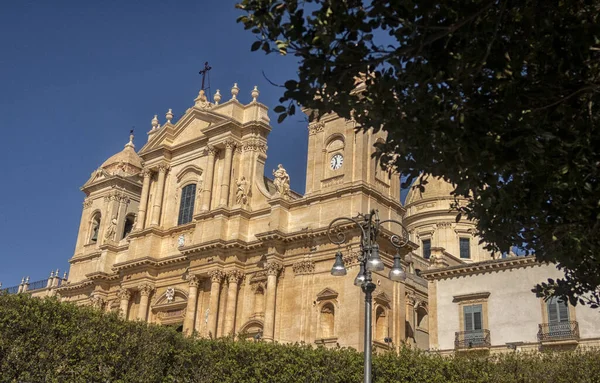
369, 260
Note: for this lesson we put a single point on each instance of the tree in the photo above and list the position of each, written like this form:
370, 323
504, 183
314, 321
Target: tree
497, 97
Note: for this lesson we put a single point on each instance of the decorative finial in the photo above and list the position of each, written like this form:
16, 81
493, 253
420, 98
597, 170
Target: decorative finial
56, 272
23, 280
155, 122
52, 274
234, 91
65, 276
254, 93
169, 116
27, 280
217, 97
130, 143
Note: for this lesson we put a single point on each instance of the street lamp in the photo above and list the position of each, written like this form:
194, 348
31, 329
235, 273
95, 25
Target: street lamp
369, 260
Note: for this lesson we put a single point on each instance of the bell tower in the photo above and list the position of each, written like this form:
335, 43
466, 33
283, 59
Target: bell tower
339, 156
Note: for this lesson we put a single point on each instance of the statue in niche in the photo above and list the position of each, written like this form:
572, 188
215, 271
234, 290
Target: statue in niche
241, 194
112, 229
282, 180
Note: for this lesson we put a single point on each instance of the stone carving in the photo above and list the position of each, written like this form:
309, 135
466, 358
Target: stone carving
193, 280
241, 193
304, 267
87, 203
201, 101
181, 240
211, 150
229, 144
216, 276
234, 276
273, 268
145, 289
124, 294
112, 229
163, 168
97, 301
282, 181
351, 259
255, 146
170, 294
316, 127
257, 286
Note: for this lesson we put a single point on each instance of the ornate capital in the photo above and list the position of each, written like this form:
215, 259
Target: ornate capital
229, 144
273, 268
304, 267
234, 276
124, 294
163, 168
211, 150
258, 286
97, 301
410, 299
87, 203
216, 276
145, 289
193, 280
147, 173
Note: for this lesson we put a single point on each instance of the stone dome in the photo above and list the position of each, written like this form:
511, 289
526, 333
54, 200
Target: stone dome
126, 161
436, 187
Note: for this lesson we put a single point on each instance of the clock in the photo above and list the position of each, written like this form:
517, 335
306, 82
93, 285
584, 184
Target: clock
336, 161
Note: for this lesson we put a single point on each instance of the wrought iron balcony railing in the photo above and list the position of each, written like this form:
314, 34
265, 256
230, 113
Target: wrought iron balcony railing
558, 331
10, 290
472, 339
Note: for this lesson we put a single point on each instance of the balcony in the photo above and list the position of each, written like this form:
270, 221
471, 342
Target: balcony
561, 332
475, 339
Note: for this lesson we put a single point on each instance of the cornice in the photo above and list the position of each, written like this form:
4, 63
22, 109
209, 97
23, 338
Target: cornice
75, 286
102, 276
85, 257
220, 244
149, 261
480, 268
134, 181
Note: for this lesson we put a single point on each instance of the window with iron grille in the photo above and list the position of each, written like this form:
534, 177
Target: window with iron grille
186, 208
465, 248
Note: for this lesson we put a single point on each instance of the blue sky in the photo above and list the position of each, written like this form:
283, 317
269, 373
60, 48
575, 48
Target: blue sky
76, 76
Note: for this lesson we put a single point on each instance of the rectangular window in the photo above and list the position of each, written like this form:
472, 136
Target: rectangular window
473, 317
426, 248
186, 208
465, 248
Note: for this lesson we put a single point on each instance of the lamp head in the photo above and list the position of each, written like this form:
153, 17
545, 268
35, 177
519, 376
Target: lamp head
374, 263
396, 273
338, 268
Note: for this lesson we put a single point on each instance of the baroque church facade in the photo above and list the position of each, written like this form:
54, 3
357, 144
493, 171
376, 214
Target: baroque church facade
189, 231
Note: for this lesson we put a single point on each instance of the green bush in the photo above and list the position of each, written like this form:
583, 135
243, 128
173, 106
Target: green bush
43, 340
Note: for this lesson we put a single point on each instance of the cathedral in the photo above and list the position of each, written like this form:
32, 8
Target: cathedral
192, 231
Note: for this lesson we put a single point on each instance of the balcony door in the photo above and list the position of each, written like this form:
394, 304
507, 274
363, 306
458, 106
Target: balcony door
473, 322
558, 318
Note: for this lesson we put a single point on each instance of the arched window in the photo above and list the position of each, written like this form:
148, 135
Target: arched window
95, 227
186, 208
128, 225
422, 319
380, 324
327, 320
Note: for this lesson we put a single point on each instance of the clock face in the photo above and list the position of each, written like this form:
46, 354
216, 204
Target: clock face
336, 162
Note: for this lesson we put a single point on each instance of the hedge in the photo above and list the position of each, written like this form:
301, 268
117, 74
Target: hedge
44, 340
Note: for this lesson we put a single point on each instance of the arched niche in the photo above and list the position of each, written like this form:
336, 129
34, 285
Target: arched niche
253, 329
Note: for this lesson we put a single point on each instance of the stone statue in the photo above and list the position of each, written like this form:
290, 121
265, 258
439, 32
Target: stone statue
282, 180
112, 229
241, 194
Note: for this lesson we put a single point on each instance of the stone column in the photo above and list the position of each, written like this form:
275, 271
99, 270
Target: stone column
141, 217
226, 176
158, 198
273, 269
233, 277
208, 181
216, 276
145, 291
124, 296
192, 301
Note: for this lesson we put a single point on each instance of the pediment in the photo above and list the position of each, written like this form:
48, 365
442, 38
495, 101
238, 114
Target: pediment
189, 128
383, 298
327, 293
191, 168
